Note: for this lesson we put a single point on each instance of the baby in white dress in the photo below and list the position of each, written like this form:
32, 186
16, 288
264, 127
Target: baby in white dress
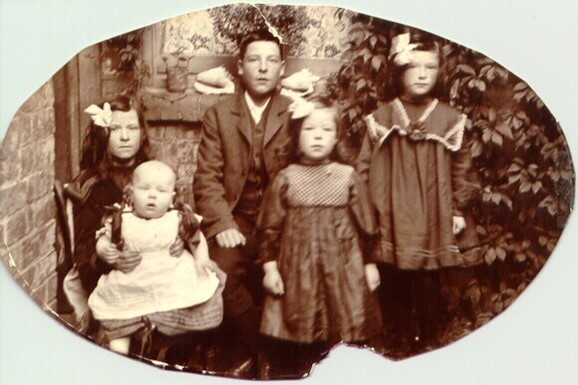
175, 294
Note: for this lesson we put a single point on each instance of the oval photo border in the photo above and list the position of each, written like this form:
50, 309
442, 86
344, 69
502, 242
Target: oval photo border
533, 288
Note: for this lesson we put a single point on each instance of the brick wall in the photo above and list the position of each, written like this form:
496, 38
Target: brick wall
27, 207
177, 146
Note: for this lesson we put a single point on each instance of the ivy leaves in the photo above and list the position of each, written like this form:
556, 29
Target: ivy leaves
522, 160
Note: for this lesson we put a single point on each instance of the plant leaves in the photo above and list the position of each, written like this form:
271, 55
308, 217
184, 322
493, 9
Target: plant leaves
376, 63
492, 115
490, 256
525, 187
373, 41
505, 130
521, 86
497, 138
514, 167
477, 149
520, 257
501, 253
466, 69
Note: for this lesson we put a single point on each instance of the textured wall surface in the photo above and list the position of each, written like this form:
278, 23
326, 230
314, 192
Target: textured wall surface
195, 34
27, 208
177, 146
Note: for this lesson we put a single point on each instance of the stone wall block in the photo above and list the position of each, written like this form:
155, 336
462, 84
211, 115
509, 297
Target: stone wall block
36, 245
39, 185
156, 132
10, 164
191, 132
43, 156
43, 124
195, 152
16, 225
12, 251
42, 98
46, 291
172, 132
12, 198
184, 154
42, 211
41, 269
185, 173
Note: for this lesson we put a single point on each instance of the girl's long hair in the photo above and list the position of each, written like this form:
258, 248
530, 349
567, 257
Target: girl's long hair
95, 155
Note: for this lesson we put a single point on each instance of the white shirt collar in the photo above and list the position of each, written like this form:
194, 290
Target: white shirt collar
255, 111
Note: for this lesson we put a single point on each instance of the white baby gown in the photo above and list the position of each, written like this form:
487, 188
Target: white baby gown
160, 282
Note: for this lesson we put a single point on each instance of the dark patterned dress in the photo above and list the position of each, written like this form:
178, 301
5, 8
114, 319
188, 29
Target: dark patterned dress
316, 220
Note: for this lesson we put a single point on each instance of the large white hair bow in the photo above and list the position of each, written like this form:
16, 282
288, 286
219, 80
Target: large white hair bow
300, 108
100, 116
401, 49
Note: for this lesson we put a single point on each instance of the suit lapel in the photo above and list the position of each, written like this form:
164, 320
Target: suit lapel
275, 118
242, 118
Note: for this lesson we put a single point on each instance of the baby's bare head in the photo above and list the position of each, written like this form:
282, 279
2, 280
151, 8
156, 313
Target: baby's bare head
153, 189
156, 171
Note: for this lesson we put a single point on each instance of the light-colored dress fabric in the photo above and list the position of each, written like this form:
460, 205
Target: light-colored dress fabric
160, 282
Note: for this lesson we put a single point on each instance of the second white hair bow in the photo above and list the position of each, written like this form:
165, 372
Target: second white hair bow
300, 108
100, 116
401, 49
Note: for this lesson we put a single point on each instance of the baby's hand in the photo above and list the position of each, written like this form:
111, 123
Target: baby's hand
204, 266
372, 276
459, 224
272, 281
106, 250
177, 247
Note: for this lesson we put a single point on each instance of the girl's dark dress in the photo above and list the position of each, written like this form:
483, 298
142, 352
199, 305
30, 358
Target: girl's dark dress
91, 193
315, 221
419, 174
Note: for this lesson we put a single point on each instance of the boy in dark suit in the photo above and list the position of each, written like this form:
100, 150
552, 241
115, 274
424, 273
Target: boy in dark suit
243, 145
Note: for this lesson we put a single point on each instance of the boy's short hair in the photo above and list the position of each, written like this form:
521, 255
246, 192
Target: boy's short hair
259, 35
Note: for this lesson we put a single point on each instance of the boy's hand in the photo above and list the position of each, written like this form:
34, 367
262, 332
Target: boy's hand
230, 238
372, 276
459, 224
177, 247
272, 281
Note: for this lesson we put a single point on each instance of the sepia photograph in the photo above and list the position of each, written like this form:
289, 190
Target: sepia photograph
235, 191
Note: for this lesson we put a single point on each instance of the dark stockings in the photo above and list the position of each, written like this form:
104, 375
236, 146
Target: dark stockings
413, 309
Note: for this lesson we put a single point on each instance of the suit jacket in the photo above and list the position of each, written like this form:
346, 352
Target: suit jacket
223, 158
